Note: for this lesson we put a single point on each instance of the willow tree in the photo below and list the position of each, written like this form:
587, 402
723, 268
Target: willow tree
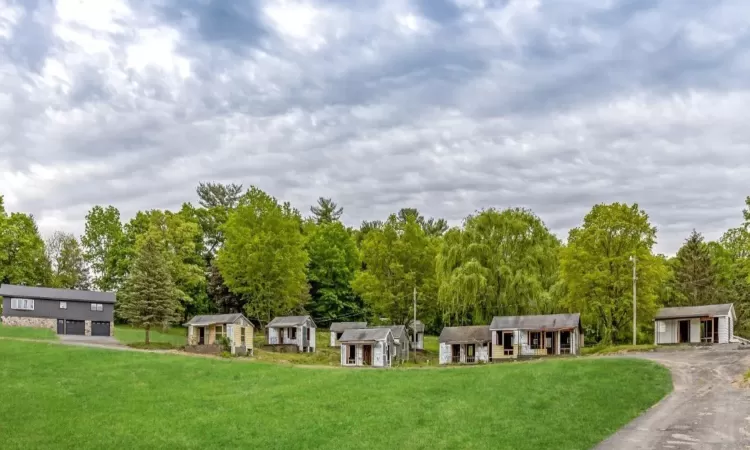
501, 263
598, 271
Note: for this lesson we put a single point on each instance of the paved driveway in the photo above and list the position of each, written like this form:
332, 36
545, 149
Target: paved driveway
707, 409
90, 340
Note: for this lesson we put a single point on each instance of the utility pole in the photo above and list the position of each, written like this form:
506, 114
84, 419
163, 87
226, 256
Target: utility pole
635, 279
414, 324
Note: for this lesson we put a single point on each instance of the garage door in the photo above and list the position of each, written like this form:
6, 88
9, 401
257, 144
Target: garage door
100, 328
77, 327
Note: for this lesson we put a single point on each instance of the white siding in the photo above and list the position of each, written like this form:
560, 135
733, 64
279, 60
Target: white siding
333, 339
695, 331
669, 335
445, 353
723, 330
273, 336
377, 354
483, 353
312, 338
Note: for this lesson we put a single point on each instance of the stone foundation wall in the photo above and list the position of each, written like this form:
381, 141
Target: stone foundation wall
87, 327
34, 322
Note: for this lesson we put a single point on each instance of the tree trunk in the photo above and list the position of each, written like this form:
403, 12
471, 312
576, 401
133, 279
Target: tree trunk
148, 334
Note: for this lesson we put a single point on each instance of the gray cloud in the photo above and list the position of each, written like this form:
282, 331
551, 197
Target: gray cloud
449, 106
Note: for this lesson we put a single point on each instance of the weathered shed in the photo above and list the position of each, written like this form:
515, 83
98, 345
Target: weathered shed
338, 328
465, 345
400, 350
417, 334
707, 324
204, 333
296, 331
367, 347
535, 335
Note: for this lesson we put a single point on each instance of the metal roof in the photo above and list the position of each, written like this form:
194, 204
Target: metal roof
418, 326
216, 318
365, 334
399, 331
469, 334
340, 327
540, 322
44, 293
289, 321
695, 311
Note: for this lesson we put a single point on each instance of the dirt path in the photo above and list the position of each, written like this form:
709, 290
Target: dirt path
707, 410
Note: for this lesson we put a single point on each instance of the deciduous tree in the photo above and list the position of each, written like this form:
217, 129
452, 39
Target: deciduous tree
104, 247
69, 270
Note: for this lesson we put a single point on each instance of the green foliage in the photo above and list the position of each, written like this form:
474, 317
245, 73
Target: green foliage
501, 263
175, 337
23, 259
224, 343
149, 298
398, 257
69, 269
597, 270
560, 404
216, 201
694, 276
263, 258
334, 261
327, 211
104, 247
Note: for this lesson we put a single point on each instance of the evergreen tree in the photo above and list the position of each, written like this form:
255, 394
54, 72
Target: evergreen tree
149, 298
694, 273
327, 211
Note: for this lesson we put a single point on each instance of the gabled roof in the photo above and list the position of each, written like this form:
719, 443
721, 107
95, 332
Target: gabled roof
366, 334
417, 326
44, 293
290, 321
216, 319
539, 322
462, 335
399, 331
340, 327
695, 311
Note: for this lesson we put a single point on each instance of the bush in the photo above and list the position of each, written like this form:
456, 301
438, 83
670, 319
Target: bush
225, 354
224, 343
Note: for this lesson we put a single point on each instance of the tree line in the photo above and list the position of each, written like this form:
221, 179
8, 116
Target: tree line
242, 250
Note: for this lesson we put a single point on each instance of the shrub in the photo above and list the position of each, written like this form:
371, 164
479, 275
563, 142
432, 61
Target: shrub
224, 343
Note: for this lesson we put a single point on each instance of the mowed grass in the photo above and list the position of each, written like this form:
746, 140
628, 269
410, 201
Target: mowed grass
27, 333
130, 335
74, 397
615, 349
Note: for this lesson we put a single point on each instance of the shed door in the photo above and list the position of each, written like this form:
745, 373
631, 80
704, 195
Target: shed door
77, 327
100, 328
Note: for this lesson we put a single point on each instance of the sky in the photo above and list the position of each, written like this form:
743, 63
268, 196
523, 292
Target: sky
448, 106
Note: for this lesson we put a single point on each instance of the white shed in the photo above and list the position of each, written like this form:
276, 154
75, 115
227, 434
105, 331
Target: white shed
338, 328
292, 330
367, 347
707, 324
465, 345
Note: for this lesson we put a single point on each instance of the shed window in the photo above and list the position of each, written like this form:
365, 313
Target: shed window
63, 305
22, 304
292, 333
219, 331
535, 340
242, 335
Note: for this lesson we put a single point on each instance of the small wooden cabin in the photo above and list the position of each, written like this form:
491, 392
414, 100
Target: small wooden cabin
708, 324
296, 331
465, 345
540, 335
367, 347
204, 333
400, 350
338, 328
417, 334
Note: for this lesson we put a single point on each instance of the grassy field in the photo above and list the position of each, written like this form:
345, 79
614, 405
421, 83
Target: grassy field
27, 333
615, 349
141, 400
129, 335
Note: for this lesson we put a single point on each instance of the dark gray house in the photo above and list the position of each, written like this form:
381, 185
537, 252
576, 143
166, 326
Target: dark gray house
66, 311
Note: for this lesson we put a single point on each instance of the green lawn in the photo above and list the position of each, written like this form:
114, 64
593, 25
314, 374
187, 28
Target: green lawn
74, 397
615, 349
128, 335
27, 333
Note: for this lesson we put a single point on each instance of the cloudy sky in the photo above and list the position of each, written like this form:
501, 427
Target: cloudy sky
444, 105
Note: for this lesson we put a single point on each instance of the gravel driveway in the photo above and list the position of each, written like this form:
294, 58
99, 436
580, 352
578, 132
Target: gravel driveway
707, 410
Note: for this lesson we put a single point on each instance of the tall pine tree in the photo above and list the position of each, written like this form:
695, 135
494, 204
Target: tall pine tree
694, 273
149, 298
